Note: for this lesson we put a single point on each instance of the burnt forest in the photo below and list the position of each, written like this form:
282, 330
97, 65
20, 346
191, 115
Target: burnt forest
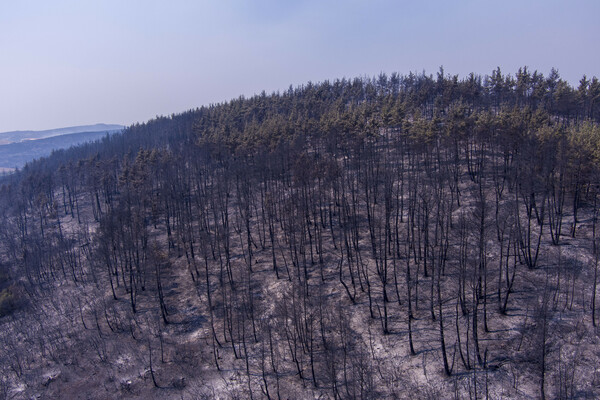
420, 236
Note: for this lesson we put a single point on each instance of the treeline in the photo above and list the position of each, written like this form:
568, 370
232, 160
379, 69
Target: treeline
347, 105
423, 203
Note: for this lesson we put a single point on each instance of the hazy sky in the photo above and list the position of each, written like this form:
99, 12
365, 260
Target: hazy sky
73, 62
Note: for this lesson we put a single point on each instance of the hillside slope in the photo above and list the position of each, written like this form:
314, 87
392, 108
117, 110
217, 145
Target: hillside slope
395, 237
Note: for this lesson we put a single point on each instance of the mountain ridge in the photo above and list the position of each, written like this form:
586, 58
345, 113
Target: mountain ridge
17, 154
19, 136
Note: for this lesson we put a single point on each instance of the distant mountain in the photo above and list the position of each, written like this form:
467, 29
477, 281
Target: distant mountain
19, 136
41, 143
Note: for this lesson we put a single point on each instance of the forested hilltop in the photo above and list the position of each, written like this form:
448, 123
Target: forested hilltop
409, 236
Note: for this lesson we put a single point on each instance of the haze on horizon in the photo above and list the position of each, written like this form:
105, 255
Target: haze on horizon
67, 62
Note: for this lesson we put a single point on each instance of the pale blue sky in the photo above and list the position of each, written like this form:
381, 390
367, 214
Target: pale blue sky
73, 62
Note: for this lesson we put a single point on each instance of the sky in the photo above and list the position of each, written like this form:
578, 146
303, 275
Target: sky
77, 62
